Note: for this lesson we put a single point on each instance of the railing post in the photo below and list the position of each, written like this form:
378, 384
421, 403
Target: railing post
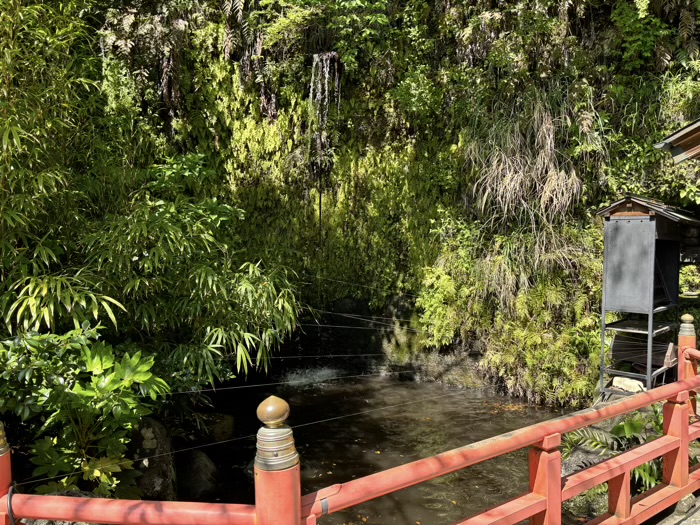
545, 478
5, 472
676, 420
620, 496
5, 465
687, 368
277, 473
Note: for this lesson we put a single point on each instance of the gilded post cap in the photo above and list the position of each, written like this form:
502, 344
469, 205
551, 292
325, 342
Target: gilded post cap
687, 328
4, 445
273, 412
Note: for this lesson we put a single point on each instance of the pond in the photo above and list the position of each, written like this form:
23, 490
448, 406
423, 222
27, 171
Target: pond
355, 427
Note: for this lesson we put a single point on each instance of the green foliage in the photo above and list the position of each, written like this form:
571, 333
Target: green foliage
515, 293
85, 398
104, 220
690, 279
165, 171
640, 35
634, 430
101, 224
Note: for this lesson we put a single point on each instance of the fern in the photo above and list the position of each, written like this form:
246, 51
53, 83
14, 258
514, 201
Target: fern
592, 439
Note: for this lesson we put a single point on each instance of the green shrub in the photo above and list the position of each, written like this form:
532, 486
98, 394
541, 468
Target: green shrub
690, 279
84, 397
635, 429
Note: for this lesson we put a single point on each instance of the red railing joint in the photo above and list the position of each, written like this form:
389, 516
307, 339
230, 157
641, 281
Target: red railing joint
679, 398
549, 443
311, 504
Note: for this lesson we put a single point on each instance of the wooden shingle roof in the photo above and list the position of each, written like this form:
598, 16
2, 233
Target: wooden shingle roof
658, 207
684, 144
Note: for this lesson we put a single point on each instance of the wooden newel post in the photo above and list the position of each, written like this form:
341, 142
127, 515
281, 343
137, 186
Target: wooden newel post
676, 420
545, 478
277, 474
687, 368
686, 339
5, 466
5, 473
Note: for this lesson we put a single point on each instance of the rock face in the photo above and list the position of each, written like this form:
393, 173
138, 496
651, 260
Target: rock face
581, 458
628, 385
158, 480
196, 474
686, 504
220, 426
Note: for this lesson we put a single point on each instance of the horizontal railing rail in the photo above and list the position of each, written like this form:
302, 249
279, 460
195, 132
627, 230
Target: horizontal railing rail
128, 512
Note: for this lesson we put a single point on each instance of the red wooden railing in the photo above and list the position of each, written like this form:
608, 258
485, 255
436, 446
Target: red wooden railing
279, 500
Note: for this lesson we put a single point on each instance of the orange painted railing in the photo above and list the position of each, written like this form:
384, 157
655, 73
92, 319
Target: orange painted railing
277, 478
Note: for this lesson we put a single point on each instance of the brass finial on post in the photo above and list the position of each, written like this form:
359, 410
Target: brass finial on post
277, 469
687, 327
275, 440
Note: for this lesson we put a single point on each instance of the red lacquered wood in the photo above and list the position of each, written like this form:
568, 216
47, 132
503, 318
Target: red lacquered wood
685, 342
545, 479
128, 512
5, 473
619, 496
369, 487
687, 345
278, 496
676, 461
651, 503
586, 479
5, 483
514, 511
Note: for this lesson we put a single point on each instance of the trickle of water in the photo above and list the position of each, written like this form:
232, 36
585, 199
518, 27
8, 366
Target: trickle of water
325, 66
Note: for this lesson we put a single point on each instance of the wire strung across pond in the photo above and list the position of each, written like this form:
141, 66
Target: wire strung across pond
382, 323
311, 356
377, 328
292, 382
369, 318
631, 337
188, 449
321, 355
618, 349
361, 285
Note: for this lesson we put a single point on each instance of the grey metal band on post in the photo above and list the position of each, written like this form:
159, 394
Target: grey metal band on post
275, 449
275, 443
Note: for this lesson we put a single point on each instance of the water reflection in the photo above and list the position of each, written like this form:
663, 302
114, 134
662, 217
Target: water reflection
425, 419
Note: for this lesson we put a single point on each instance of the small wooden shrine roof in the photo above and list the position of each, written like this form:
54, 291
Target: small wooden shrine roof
632, 203
684, 144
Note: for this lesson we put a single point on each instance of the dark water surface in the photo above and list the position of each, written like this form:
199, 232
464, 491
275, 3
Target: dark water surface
400, 421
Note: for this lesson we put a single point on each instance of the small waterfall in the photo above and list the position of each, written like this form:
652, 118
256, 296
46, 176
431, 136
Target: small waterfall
326, 66
324, 90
